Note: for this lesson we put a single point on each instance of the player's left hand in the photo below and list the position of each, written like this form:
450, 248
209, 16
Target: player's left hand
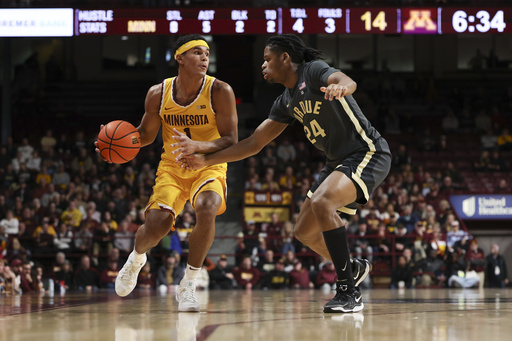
185, 146
334, 91
191, 162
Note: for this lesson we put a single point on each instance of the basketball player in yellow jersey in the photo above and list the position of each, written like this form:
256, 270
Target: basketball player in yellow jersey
203, 108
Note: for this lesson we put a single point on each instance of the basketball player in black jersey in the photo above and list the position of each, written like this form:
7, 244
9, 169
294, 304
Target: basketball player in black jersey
358, 157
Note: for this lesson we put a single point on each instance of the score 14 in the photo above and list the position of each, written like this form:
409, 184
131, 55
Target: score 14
378, 22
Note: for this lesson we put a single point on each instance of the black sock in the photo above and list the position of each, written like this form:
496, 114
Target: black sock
336, 241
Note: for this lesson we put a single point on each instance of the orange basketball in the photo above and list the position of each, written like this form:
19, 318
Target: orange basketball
118, 142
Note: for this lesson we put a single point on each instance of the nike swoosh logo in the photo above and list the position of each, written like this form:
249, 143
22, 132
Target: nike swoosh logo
358, 299
168, 108
345, 266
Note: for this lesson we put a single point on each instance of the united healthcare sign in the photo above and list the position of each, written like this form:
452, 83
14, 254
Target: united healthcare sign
484, 207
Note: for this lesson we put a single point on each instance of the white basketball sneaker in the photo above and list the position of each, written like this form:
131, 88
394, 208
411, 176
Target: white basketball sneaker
186, 296
126, 280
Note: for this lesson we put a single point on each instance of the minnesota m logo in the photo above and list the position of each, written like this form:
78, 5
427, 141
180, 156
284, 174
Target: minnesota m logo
420, 19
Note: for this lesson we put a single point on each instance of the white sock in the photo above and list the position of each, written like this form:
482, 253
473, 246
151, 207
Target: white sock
138, 257
191, 273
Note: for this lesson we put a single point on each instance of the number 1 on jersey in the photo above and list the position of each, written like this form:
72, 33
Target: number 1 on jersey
187, 132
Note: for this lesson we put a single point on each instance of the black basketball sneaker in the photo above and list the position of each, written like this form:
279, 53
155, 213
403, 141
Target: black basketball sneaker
360, 269
347, 300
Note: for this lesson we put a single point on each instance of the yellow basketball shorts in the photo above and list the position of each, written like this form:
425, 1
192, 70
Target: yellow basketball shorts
175, 185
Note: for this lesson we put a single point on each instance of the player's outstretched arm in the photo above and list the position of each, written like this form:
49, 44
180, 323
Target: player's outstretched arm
338, 85
224, 105
267, 131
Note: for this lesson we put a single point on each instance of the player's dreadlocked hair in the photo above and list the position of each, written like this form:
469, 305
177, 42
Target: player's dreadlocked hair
295, 47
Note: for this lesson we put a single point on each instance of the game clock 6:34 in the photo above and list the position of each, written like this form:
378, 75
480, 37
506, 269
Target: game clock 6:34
476, 20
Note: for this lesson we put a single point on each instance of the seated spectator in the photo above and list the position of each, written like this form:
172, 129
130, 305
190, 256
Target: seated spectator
402, 238
496, 162
184, 227
123, 239
401, 158
431, 268
456, 237
86, 277
269, 184
249, 242
10, 223
489, 140
109, 275
476, 261
288, 178
450, 122
246, 276
505, 140
61, 178
268, 263
496, 269
408, 218
380, 244
102, 241
287, 238
146, 279
299, 277
482, 165
373, 220
64, 238
438, 241
221, 277
83, 238
326, 277
502, 187
273, 232
402, 275
362, 246
72, 215
170, 273
58, 263
286, 151
458, 274
64, 277
21, 281
44, 236
277, 278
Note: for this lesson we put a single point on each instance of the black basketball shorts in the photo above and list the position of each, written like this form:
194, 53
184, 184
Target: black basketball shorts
366, 170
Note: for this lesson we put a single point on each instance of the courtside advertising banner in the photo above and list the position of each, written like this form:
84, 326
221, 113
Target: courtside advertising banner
483, 207
36, 22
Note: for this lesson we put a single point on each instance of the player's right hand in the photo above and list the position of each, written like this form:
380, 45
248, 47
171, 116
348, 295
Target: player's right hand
96, 146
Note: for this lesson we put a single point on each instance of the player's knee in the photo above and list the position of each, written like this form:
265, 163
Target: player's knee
320, 205
301, 233
158, 224
207, 206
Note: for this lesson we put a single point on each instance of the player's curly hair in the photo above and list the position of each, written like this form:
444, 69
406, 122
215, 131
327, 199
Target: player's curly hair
295, 47
185, 39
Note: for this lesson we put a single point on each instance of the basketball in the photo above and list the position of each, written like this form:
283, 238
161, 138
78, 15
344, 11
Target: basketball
118, 142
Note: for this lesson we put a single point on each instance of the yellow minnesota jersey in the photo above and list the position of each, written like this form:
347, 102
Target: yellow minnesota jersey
197, 120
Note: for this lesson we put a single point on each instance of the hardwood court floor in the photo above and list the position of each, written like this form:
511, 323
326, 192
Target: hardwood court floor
412, 315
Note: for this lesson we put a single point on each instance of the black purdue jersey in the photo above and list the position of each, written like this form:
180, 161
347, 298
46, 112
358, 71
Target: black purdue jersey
336, 127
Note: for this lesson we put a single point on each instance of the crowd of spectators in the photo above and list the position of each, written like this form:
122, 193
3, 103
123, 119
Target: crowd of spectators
58, 196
